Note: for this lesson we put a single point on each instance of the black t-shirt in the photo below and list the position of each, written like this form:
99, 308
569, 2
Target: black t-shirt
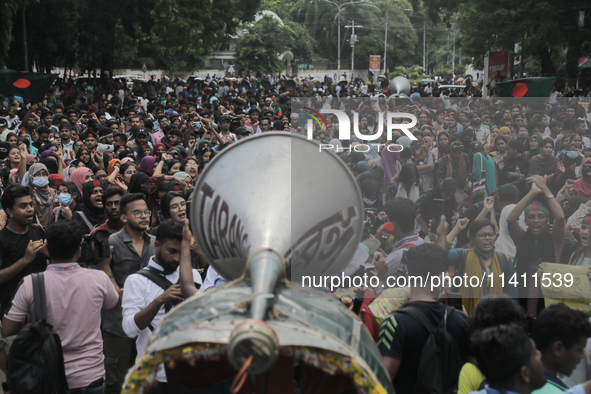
402, 338
12, 249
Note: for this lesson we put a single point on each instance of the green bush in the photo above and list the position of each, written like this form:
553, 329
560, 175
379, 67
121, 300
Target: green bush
414, 76
394, 74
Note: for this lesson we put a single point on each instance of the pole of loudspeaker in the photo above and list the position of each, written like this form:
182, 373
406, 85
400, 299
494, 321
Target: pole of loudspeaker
265, 268
254, 343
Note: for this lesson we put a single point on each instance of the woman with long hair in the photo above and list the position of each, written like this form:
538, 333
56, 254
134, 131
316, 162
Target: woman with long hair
408, 182
443, 144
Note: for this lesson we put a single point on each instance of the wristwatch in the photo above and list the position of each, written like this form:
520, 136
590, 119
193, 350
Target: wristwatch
550, 196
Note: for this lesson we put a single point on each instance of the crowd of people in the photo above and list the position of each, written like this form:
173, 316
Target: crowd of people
486, 187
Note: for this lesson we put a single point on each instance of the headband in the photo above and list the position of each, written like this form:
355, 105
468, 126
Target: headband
536, 207
105, 136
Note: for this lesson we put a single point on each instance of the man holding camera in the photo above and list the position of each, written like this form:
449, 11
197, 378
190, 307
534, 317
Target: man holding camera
132, 249
152, 292
65, 281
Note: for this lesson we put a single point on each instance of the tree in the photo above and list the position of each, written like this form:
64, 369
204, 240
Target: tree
260, 45
543, 27
8, 10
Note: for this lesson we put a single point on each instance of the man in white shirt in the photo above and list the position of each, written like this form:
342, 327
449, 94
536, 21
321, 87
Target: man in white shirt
145, 302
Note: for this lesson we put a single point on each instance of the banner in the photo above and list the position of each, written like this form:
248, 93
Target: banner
498, 69
575, 293
375, 63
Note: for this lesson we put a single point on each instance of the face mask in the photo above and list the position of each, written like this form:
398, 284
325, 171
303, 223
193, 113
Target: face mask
41, 181
3, 155
586, 174
368, 201
64, 199
571, 154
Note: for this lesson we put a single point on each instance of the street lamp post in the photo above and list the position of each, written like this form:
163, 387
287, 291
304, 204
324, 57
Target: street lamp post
339, 6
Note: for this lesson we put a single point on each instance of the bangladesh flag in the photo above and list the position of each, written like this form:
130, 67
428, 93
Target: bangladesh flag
27, 85
526, 87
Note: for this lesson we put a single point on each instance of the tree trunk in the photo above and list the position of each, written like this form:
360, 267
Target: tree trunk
547, 67
572, 58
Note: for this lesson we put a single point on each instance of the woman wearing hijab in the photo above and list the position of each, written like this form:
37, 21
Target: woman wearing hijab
535, 146
4, 148
143, 150
85, 156
203, 146
92, 211
442, 148
112, 165
159, 149
147, 165
80, 176
404, 141
370, 191
38, 181
583, 186
543, 163
44, 154
389, 162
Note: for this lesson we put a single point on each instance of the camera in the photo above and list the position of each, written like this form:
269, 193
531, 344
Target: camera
95, 247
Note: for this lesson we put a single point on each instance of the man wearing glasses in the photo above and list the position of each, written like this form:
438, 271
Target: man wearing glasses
132, 249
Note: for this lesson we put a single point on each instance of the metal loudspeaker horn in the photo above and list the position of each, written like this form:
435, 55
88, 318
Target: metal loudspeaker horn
400, 87
274, 203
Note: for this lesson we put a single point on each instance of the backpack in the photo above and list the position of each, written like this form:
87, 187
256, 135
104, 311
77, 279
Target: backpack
35, 363
440, 361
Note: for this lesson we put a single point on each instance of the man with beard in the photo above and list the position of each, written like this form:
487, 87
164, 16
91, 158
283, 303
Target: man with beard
133, 248
153, 291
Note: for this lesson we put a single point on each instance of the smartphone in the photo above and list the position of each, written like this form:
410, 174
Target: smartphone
455, 300
437, 212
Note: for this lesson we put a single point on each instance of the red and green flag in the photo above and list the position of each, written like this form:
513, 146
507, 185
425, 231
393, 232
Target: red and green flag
24, 84
526, 87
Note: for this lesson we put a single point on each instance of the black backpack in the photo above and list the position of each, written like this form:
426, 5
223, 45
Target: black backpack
440, 361
35, 363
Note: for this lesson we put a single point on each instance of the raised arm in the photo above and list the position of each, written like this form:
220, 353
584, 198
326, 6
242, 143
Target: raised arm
555, 207
186, 270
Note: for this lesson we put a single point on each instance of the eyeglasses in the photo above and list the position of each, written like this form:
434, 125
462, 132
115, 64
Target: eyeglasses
486, 235
139, 213
176, 207
191, 165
